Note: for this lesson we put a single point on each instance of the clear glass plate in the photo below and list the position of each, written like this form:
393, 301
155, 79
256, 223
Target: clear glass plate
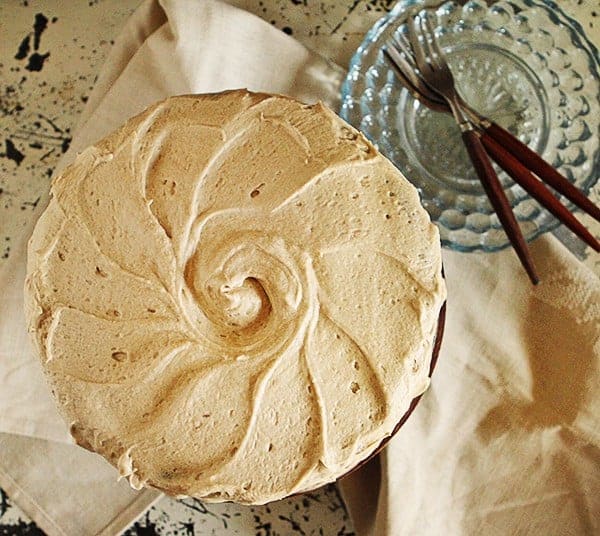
523, 63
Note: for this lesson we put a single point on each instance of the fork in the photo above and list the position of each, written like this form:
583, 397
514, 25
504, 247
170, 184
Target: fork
400, 56
437, 75
399, 53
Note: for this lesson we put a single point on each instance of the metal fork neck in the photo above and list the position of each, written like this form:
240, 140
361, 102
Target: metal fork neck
460, 116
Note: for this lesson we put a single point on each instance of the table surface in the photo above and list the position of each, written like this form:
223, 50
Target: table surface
50, 54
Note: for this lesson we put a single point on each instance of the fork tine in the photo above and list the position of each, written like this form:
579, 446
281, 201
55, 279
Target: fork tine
405, 68
419, 90
431, 32
399, 64
432, 50
417, 47
432, 40
404, 54
422, 35
426, 39
403, 44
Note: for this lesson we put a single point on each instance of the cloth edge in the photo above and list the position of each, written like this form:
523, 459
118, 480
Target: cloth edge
24, 501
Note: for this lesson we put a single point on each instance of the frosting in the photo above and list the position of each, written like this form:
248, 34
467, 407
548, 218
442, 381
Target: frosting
234, 297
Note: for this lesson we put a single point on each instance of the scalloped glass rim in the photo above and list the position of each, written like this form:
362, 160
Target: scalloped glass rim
557, 16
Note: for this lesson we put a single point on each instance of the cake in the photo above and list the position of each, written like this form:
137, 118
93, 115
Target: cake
234, 297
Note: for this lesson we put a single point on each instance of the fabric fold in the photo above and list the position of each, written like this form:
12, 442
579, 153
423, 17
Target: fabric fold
507, 440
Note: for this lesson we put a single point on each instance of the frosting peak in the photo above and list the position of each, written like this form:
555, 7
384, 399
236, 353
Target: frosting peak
234, 296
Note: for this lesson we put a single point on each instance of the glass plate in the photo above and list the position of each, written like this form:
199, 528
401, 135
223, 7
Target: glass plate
523, 63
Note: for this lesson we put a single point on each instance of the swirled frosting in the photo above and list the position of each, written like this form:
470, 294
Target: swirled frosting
234, 296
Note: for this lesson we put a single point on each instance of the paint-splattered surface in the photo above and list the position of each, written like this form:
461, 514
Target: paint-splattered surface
49, 57
321, 513
50, 53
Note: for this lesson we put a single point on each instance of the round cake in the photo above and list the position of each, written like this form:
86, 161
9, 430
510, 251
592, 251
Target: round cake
234, 297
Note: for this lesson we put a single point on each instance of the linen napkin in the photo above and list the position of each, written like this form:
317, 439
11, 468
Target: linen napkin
507, 440
165, 49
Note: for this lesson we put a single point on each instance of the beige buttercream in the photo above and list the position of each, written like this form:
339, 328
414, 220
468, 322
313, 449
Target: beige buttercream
234, 296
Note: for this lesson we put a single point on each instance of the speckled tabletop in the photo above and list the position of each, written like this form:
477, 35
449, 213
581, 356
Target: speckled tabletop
50, 53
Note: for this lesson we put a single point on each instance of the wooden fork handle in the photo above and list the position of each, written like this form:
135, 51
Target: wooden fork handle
493, 188
521, 175
542, 169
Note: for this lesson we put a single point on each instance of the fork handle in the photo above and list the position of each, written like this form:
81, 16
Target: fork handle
537, 189
541, 168
493, 188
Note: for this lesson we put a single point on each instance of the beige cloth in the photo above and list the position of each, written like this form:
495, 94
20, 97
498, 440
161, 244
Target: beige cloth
507, 440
